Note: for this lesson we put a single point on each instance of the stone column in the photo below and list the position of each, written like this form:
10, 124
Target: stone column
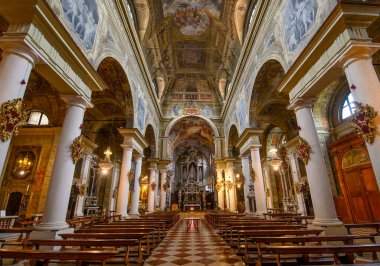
293, 162
134, 211
123, 191
156, 200
15, 67
246, 174
230, 193
61, 180
260, 194
362, 76
152, 179
219, 173
321, 195
163, 191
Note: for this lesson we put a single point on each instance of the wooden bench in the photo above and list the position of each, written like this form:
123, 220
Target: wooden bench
348, 250
47, 255
22, 240
86, 244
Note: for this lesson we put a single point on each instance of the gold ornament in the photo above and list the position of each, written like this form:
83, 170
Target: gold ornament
77, 149
218, 186
165, 186
362, 121
303, 149
83, 190
297, 188
12, 117
130, 176
153, 186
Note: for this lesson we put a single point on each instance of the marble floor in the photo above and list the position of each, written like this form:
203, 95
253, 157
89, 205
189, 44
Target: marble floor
193, 248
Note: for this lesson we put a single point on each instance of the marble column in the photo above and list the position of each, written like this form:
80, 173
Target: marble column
293, 162
320, 190
163, 191
231, 193
219, 173
123, 191
134, 211
260, 194
246, 174
61, 180
362, 76
156, 194
15, 68
152, 179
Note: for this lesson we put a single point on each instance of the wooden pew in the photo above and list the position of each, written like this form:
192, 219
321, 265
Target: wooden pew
48, 255
367, 228
134, 235
87, 244
22, 240
348, 250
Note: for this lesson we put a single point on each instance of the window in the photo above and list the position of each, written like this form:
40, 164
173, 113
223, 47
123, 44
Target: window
348, 107
37, 118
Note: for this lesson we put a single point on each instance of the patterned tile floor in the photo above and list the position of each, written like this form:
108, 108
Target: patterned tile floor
193, 248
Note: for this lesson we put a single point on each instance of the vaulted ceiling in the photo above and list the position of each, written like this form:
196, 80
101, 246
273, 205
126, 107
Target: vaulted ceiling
191, 46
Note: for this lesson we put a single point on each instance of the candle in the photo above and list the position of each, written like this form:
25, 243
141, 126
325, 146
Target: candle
27, 189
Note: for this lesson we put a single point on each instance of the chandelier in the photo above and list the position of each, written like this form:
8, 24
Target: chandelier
24, 165
274, 160
105, 165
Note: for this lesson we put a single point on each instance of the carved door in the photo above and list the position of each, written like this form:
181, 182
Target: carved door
362, 193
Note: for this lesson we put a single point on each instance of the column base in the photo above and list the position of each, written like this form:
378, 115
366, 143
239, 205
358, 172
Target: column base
52, 226
50, 235
259, 213
134, 215
327, 222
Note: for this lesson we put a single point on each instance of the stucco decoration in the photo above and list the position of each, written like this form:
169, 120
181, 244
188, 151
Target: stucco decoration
298, 18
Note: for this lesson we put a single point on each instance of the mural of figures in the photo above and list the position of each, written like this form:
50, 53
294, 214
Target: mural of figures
298, 17
140, 113
192, 17
82, 16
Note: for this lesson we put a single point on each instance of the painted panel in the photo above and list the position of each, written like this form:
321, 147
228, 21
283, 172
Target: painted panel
192, 17
82, 17
298, 18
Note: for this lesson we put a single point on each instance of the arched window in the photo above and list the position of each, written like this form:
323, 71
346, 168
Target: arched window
37, 118
347, 108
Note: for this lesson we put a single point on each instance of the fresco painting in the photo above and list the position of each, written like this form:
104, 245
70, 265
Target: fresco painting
298, 18
191, 54
82, 17
192, 17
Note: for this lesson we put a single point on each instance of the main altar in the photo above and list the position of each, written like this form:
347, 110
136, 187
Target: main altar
192, 196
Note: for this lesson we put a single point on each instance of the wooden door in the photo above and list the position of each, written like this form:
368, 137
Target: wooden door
357, 195
14, 202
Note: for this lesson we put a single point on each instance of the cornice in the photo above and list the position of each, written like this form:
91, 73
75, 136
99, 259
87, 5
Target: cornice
135, 43
246, 135
253, 33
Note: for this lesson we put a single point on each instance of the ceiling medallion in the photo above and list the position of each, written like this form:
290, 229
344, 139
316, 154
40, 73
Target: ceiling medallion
303, 149
192, 111
77, 149
12, 117
362, 120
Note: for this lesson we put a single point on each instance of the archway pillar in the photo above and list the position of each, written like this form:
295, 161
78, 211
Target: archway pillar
134, 210
163, 166
218, 148
133, 141
220, 165
89, 148
153, 186
320, 190
291, 149
249, 142
58, 195
247, 180
365, 89
230, 187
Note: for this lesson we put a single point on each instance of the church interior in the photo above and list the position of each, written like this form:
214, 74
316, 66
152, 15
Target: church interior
189, 132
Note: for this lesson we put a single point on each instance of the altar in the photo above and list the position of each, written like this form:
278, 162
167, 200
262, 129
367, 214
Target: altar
192, 207
192, 196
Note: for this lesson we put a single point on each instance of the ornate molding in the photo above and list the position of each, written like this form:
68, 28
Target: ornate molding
362, 121
77, 149
304, 150
12, 117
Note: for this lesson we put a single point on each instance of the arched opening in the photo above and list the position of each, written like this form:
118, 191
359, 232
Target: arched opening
192, 146
150, 151
233, 137
113, 109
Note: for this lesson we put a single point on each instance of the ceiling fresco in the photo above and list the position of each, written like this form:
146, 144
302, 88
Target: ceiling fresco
192, 17
194, 42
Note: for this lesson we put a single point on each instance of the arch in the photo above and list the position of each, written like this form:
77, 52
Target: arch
151, 150
107, 55
177, 119
233, 136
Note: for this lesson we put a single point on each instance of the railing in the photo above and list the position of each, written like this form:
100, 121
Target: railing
192, 96
8, 221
